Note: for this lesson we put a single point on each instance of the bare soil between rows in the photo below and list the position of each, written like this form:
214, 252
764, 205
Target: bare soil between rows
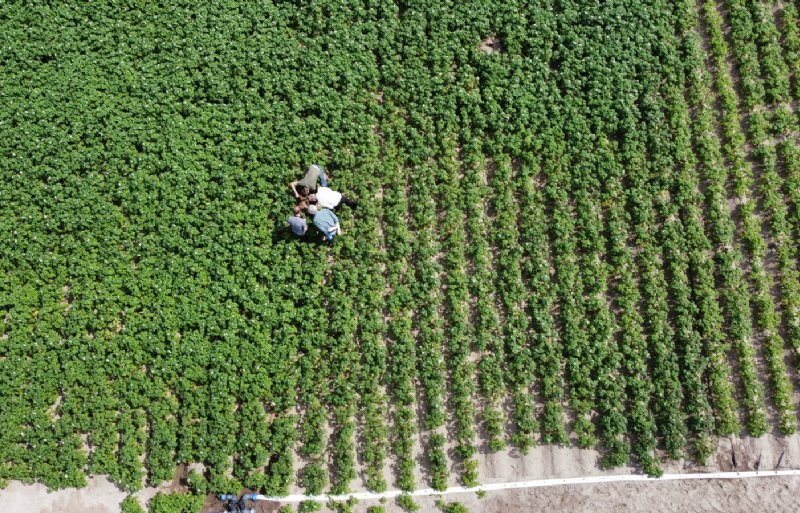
733, 454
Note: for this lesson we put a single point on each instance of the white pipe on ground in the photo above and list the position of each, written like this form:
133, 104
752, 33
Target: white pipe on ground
538, 483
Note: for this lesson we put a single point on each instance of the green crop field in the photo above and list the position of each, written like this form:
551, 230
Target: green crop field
578, 224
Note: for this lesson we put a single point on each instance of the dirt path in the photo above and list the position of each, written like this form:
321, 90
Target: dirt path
766, 494
742, 496
99, 496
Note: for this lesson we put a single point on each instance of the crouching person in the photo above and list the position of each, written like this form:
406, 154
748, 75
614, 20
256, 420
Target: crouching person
328, 198
298, 223
326, 221
314, 175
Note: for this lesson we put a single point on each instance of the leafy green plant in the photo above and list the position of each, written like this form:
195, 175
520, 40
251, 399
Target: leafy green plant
196, 482
313, 478
308, 507
604, 221
175, 503
130, 504
451, 507
406, 503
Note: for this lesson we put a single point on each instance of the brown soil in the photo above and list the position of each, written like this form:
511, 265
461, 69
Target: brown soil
733, 454
746, 496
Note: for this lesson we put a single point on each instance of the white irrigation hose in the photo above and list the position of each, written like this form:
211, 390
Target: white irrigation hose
539, 483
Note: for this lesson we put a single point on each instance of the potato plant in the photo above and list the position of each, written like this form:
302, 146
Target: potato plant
577, 224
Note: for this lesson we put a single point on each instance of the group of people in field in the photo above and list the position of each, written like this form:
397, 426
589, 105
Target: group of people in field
318, 201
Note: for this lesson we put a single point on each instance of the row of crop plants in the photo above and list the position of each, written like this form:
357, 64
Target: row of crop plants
422, 338
622, 169
373, 399
426, 130
563, 240
669, 143
734, 297
578, 236
685, 242
772, 139
595, 355
787, 148
703, 247
747, 192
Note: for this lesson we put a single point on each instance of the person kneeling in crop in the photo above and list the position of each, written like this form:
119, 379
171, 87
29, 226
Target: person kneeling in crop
328, 198
298, 223
315, 173
326, 221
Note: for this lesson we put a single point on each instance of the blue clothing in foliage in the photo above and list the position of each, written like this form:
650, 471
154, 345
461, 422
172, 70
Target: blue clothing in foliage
298, 225
326, 221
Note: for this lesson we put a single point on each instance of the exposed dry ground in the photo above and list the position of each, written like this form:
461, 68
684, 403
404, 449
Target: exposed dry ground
743, 496
732, 496
771, 494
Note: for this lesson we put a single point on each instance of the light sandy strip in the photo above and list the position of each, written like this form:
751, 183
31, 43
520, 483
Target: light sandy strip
539, 483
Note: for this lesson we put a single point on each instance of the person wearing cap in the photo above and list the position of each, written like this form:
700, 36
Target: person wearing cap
297, 223
328, 198
326, 221
314, 174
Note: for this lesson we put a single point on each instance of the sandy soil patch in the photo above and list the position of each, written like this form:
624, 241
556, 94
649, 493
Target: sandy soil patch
744, 496
731, 496
99, 496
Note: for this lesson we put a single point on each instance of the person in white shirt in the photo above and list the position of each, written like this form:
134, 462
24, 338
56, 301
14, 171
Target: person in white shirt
328, 198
